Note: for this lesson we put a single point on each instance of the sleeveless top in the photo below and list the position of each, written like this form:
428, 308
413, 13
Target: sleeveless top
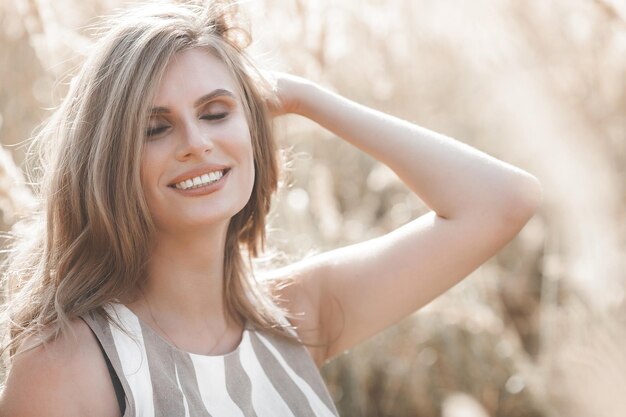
263, 376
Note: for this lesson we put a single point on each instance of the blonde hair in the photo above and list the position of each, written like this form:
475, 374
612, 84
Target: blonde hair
93, 238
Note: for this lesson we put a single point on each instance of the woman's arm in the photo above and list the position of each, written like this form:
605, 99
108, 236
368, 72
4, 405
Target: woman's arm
478, 205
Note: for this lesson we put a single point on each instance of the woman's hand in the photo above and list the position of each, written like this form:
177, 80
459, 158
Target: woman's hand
286, 93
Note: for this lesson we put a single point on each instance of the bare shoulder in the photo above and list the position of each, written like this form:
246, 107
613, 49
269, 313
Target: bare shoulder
66, 377
301, 296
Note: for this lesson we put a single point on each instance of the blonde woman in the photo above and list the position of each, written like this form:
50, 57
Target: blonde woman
135, 297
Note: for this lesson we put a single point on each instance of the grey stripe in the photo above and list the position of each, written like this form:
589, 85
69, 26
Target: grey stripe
166, 363
189, 382
100, 327
302, 364
286, 387
238, 384
168, 400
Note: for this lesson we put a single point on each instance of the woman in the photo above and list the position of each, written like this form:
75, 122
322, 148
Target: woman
136, 299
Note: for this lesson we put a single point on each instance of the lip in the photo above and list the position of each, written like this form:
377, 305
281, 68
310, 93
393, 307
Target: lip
205, 189
197, 172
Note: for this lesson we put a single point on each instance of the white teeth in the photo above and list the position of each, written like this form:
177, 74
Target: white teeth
200, 181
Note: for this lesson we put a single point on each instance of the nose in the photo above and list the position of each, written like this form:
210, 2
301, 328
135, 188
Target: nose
194, 142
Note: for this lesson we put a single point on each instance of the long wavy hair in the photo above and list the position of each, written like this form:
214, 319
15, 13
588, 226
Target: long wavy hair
93, 237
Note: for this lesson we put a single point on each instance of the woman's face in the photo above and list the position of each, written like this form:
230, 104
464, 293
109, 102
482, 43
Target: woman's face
197, 165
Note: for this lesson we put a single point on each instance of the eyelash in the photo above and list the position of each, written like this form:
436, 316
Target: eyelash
160, 129
155, 130
215, 116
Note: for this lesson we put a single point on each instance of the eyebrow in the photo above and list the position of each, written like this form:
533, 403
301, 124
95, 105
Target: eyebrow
220, 92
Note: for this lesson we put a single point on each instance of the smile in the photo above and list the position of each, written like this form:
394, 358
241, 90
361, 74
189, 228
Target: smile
200, 181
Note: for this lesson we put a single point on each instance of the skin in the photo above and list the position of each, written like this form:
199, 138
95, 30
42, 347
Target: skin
191, 229
478, 204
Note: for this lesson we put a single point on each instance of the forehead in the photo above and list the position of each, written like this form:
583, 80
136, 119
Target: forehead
191, 74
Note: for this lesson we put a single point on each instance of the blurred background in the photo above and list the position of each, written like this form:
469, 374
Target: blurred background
537, 331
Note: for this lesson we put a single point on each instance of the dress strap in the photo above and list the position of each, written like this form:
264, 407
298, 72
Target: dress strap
101, 328
117, 385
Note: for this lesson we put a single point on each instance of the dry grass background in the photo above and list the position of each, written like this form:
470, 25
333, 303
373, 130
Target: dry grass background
540, 329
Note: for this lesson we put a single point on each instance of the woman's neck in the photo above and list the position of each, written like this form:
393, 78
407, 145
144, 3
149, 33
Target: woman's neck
182, 296
185, 276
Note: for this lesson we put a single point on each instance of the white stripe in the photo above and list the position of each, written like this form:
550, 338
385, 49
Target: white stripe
318, 406
185, 404
134, 359
211, 378
266, 401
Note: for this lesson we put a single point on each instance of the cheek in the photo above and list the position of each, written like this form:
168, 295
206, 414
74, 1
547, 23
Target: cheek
242, 150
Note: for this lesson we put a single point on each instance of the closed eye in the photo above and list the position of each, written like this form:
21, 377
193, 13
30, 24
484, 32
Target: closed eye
153, 131
214, 116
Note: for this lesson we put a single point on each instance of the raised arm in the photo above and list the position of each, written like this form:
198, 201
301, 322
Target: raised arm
478, 204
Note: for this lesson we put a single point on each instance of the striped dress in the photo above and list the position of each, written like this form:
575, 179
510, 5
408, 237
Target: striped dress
263, 376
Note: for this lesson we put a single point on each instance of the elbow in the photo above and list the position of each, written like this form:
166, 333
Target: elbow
524, 201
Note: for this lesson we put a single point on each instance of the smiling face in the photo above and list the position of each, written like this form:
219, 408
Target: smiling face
197, 165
